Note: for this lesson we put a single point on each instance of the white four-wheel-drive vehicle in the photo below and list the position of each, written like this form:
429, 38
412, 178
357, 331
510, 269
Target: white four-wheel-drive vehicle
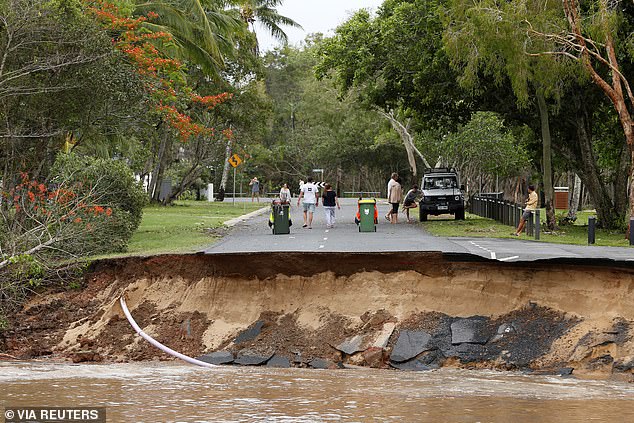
442, 194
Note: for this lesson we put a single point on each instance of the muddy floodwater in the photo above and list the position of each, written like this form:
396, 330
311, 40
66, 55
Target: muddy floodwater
171, 392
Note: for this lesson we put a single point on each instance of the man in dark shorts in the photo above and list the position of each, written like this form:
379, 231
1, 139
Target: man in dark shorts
394, 197
531, 206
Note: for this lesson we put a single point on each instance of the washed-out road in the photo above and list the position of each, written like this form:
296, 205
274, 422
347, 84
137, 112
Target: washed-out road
254, 235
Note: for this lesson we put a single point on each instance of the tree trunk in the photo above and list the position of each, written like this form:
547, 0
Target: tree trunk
549, 194
225, 173
590, 174
155, 172
408, 140
573, 205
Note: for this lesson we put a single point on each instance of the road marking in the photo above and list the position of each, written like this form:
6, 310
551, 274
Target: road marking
325, 239
321, 246
492, 255
327, 231
509, 258
291, 237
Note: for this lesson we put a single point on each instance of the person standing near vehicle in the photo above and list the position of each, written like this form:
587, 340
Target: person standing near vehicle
285, 194
330, 201
395, 195
390, 184
255, 189
309, 193
531, 206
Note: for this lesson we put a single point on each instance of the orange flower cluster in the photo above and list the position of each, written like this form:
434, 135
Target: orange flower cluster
228, 133
35, 200
183, 123
162, 74
211, 101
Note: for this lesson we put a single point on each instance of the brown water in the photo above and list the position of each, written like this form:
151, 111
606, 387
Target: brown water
171, 392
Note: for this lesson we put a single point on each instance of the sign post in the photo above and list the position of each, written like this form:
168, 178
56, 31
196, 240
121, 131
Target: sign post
234, 161
319, 171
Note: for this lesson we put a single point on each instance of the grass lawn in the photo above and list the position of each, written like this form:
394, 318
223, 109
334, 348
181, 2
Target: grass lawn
183, 226
475, 226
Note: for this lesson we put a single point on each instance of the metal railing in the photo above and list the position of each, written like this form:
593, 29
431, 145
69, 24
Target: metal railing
505, 212
356, 194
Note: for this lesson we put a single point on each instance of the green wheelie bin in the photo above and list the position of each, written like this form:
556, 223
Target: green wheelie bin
367, 215
280, 217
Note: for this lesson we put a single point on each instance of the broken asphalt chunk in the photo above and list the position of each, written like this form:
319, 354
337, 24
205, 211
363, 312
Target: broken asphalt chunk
409, 345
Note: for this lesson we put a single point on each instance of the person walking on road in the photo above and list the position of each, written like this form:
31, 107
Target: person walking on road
390, 184
309, 193
410, 201
394, 197
330, 201
255, 189
531, 206
285, 194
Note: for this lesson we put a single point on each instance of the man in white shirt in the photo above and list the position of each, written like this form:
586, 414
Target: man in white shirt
390, 185
310, 194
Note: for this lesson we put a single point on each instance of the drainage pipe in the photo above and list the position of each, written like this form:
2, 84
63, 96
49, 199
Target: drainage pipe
157, 344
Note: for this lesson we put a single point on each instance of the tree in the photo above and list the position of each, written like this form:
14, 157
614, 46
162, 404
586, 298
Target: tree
588, 36
265, 13
487, 38
203, 31
59, 78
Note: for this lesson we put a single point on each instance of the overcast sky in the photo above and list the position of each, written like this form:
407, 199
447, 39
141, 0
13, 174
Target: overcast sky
314, 16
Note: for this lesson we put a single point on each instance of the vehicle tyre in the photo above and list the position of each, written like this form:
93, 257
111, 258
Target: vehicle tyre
423, 217
460, 214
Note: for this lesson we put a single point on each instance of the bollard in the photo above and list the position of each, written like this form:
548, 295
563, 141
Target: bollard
592, 222
631, 230
538, 224
529, 226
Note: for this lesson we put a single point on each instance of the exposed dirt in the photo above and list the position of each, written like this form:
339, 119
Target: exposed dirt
557, 314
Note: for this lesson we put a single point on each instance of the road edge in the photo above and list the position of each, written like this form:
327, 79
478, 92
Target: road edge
232, 222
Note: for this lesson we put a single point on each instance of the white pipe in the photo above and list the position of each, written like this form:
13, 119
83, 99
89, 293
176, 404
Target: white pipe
157, 344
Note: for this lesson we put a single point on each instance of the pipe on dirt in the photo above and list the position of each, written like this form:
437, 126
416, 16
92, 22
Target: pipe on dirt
157, 344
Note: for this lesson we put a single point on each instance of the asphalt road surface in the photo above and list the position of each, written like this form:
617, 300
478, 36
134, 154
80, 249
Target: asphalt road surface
254, 234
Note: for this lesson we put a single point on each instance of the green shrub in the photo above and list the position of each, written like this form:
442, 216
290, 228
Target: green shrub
111, 184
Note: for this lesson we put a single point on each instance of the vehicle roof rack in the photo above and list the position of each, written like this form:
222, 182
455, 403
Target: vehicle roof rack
440, 170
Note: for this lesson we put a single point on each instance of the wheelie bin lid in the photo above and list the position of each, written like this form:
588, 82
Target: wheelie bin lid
367, 201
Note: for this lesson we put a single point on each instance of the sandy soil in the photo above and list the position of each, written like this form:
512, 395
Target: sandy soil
570, 315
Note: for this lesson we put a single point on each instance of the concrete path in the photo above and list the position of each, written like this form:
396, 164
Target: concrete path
255, 235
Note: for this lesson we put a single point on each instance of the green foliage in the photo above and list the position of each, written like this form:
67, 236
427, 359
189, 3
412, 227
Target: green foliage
486, 145
26, 268
113, 186
396, 60
313, 126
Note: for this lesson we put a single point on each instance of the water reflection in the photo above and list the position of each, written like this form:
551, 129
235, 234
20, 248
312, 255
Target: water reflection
168, 392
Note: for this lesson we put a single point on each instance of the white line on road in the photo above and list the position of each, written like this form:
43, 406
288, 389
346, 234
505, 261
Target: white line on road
492, 255
321, 246
325, 239
509, 258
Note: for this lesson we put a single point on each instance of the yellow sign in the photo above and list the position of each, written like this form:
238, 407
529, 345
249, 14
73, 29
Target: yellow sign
235, 160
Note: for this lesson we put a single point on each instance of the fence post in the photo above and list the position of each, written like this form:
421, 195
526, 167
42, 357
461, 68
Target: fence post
592, 222
631, 230
538, 224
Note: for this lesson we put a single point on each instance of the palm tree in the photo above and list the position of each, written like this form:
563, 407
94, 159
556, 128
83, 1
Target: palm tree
265, 13
203, 30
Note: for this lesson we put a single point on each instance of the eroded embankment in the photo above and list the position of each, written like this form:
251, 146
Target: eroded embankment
402, 310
